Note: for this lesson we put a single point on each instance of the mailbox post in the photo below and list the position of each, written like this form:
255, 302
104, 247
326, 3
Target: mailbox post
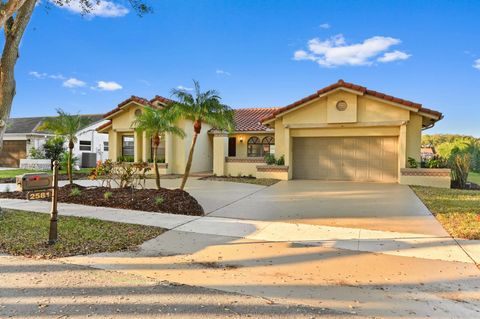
43, 186
53, 233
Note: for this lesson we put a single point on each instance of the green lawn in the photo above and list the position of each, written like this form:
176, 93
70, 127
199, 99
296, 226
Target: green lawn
26, 234
474, 177
457, 210
14, 172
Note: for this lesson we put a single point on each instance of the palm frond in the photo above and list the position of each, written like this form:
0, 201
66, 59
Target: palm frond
157, 121
65, 124
204, 106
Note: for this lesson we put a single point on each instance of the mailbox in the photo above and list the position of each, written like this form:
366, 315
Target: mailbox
34, 181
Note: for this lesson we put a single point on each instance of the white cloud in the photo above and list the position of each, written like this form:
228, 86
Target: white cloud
325, 26
38, 75
57, 77
335, 51
108, 86
184, 88
476, 64
43, 75
101, 8
393, 56
73, 83
223, 72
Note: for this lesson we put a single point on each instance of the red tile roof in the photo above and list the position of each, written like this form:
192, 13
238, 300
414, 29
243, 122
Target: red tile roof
161, 99
249, 119
245, 119
133, 98
103, 126
342, 84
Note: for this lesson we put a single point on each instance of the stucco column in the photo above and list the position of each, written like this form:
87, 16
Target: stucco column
220, 151
402, 148
138, 146
146, 147
288, 151
169, 152
112, 145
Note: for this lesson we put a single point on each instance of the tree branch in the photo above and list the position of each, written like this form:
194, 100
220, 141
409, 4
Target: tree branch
9, 9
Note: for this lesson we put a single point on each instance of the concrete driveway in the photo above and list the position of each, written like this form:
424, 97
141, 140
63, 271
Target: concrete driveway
385, 255
387, 207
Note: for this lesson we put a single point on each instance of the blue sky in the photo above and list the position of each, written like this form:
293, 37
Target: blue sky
256, 53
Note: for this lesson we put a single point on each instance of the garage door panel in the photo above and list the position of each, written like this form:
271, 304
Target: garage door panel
345, 158
12, 152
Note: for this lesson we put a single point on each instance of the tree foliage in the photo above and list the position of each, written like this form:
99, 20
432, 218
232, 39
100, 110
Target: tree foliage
14, 18
66, 125
201, 107
156, 122
447, 145
54, 148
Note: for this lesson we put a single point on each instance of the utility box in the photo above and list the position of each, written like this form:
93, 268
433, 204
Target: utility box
89, 160
33, 181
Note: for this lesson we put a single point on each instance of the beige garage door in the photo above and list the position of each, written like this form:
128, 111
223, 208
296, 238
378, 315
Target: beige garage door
371, 159
12, 152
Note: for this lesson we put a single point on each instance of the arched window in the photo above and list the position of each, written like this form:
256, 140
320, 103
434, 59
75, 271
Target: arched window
254, 147
268, 143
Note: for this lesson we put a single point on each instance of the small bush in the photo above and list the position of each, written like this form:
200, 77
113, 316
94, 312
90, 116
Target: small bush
7, 189
107, 195
412, 163
159, 200
75, 192
36, 153
270, 159
128, 159
435, 163
159, 160
64, 160
281, 160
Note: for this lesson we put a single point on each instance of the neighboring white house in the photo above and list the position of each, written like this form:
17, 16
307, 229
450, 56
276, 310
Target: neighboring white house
23, 134
91, 146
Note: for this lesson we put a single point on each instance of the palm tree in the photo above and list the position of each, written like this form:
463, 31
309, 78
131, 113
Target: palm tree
204, 107
66, 125
155, 122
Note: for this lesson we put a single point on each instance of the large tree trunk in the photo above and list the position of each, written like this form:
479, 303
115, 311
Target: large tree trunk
156, 143
14, 29
69, 161
197, 126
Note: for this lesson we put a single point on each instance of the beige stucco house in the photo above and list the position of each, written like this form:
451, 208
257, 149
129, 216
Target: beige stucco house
341, 132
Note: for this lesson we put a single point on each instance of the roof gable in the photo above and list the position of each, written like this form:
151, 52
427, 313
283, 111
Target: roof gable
361, 90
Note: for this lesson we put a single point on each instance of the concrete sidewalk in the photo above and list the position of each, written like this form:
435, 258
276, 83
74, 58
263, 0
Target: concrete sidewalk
355, 239
360, 271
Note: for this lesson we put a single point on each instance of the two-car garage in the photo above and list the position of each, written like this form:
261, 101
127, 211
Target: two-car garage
366, 158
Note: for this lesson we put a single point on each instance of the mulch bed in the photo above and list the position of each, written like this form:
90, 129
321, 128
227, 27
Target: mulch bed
469, 186
162, 201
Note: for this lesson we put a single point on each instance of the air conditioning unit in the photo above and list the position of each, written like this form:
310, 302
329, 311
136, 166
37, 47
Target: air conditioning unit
89, 159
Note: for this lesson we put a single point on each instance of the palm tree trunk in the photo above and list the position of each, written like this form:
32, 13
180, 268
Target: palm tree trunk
69, 161
156, 143
189, 161
155, 167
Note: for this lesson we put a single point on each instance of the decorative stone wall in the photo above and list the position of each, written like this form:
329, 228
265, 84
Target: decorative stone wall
244, 160
272, 171
432, 177
36, 164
